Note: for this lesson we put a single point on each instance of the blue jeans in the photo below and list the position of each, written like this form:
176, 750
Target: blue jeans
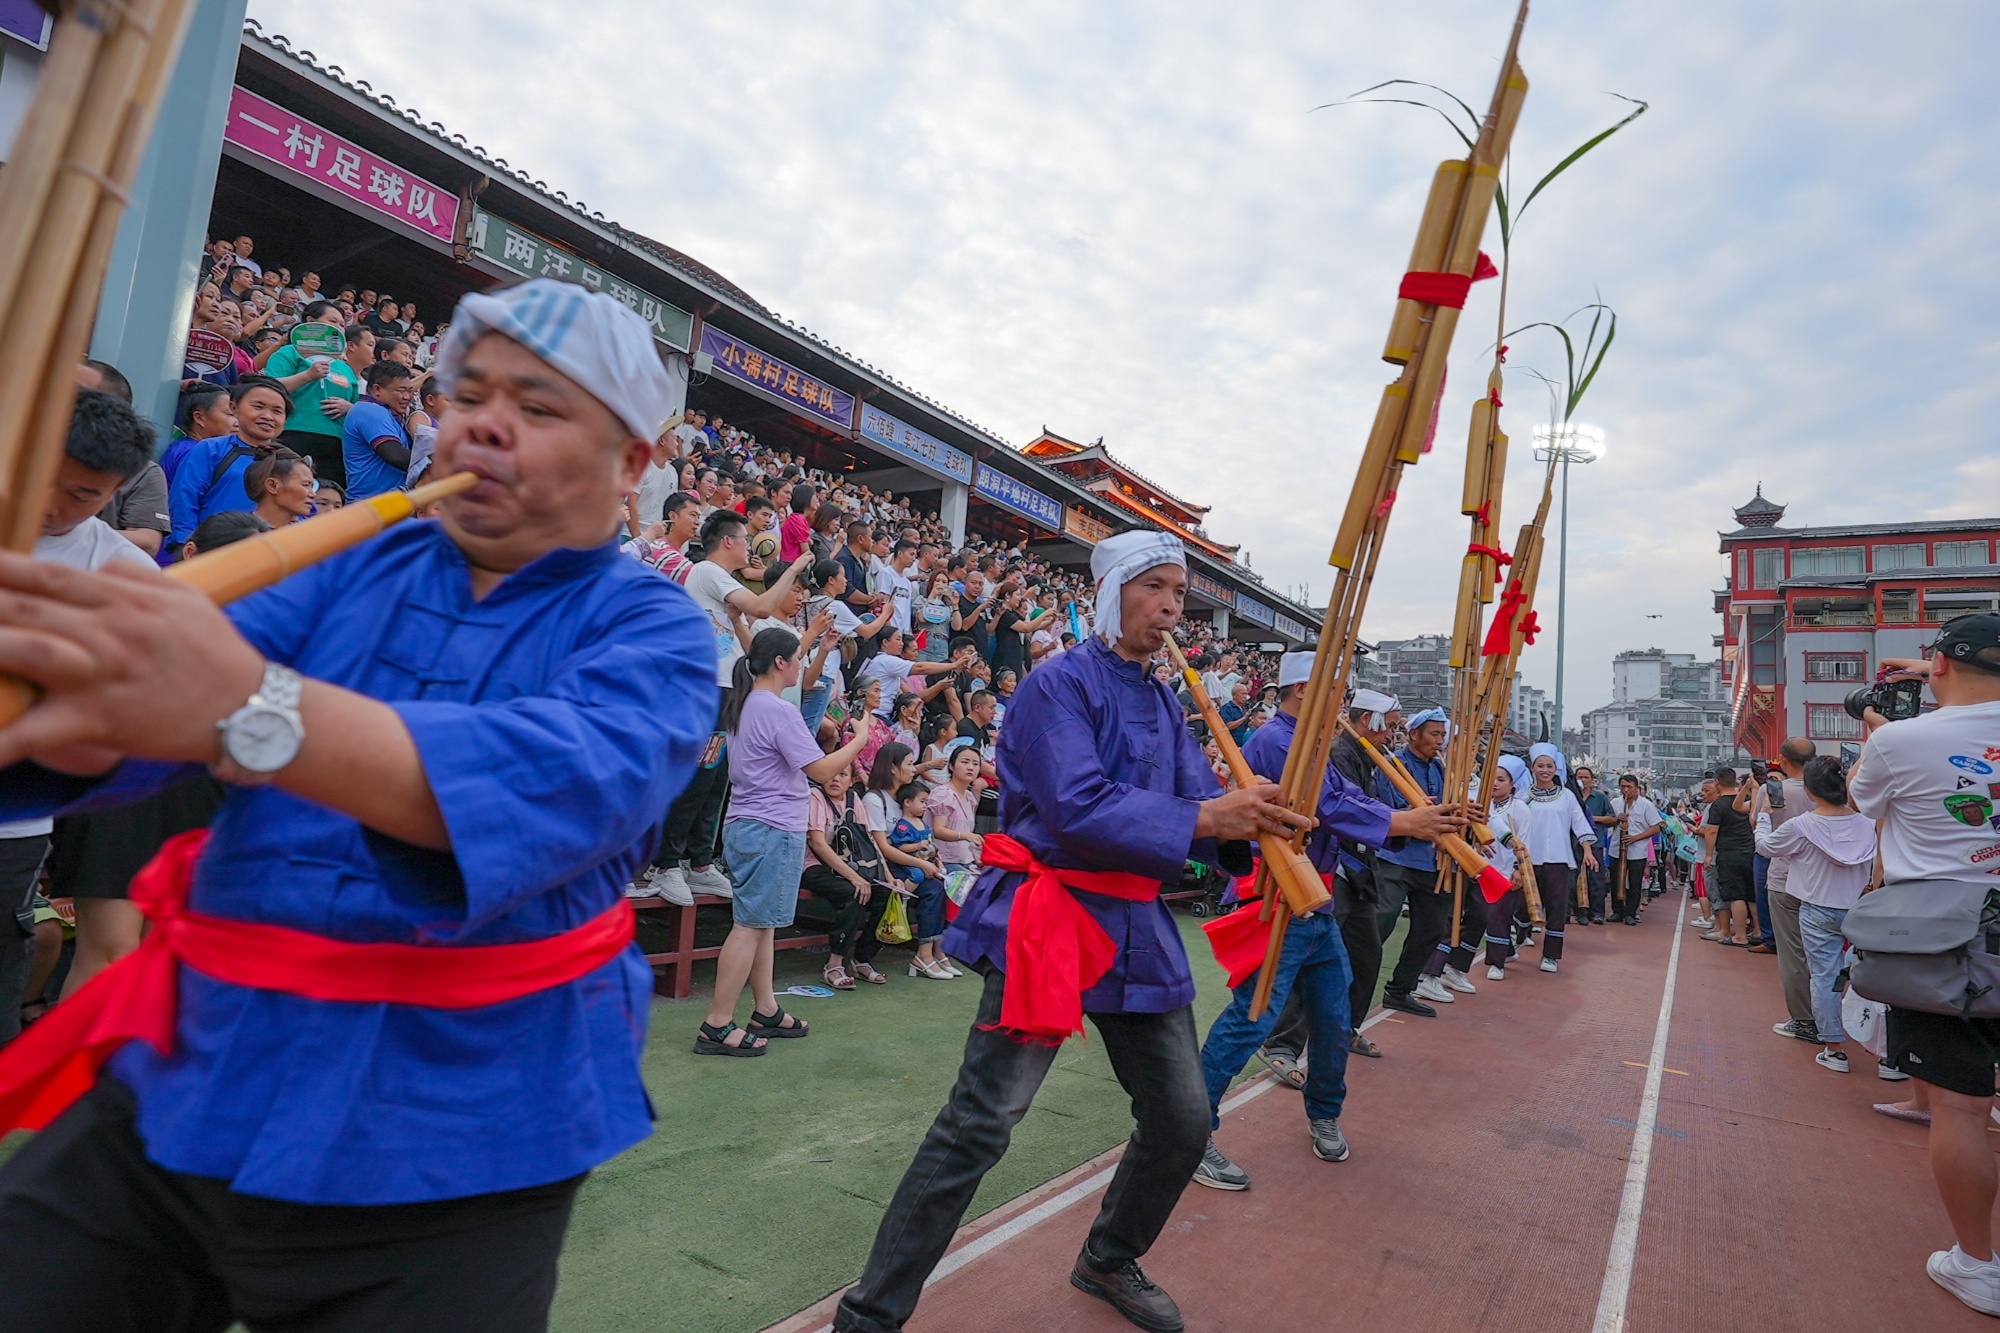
1314, 960
1761, 867
1819, 931
928, 922
812, 706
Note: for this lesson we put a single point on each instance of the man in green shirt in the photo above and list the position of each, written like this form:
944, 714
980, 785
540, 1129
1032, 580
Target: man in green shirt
321, 394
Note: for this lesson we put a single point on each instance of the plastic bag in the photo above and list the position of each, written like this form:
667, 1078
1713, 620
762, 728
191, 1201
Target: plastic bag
894, 927
1862, 1020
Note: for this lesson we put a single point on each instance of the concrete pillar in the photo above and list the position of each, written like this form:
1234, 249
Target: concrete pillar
1220, 619
951, 510
142, 317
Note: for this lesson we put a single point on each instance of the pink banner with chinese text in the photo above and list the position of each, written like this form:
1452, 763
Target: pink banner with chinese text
303, 148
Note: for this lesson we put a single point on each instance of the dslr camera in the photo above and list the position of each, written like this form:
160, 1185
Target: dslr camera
1895, 700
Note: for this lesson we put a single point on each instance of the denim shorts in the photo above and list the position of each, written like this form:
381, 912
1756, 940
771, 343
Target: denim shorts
764, 865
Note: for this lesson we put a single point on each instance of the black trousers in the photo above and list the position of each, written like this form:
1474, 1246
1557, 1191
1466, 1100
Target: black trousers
94, 1238
20, 868
854, 922
1354, 910
1430, 920
1472, 918
1628, 891
694, 820
1557, 884
1157, 1061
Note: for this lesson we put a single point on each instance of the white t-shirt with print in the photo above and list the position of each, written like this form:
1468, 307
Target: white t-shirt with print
1934, 782
655, 485
710, 585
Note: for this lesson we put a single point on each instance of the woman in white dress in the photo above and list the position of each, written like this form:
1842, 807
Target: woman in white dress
1552, 823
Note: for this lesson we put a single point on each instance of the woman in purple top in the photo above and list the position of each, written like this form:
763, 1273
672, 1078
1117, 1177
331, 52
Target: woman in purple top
771, 754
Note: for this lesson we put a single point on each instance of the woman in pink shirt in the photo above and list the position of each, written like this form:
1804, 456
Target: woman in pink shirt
953, 805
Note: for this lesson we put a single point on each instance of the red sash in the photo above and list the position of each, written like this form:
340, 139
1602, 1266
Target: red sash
1055, 949
1238, 939
55, 1061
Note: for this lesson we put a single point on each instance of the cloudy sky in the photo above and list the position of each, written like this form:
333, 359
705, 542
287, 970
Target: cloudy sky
1124, 219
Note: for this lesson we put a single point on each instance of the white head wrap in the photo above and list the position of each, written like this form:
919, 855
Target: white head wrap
1117, 560
588, 336
1540, 748
1378, 706
1516, 769
1294, 669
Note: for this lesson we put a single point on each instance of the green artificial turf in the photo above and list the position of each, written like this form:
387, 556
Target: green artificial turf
761, 1187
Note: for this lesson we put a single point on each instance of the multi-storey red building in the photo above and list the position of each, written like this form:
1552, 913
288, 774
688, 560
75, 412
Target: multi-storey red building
1809, 613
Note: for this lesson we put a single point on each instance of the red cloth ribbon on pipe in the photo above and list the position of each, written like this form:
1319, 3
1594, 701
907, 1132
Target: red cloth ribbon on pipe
1055, 949
1530, 628
1500, 557
136, 998
1445, 289
1388, 503
1500, 636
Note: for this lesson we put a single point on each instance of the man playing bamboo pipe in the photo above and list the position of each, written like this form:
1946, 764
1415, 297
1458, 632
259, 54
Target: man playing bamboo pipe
1103, 795
1313, 962
409, 1018
1407, 871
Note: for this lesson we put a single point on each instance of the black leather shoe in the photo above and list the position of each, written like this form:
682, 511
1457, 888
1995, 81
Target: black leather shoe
1128, 1291
1408, 1004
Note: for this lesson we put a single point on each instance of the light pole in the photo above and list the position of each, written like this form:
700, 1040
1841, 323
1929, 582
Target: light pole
1568, 443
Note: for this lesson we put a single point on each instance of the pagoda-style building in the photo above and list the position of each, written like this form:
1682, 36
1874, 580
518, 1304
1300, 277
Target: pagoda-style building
1092, 466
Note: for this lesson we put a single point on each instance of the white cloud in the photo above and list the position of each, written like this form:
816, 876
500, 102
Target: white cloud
1120, 219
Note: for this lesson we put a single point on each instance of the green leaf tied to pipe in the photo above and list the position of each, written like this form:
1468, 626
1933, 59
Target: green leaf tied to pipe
1580, 368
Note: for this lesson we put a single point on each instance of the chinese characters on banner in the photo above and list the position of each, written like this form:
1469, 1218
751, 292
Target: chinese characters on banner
267, 130
1024, 500
907, 442
774, 379
1210, 588
1254, 611
1084, 528
1286, 625
530, 256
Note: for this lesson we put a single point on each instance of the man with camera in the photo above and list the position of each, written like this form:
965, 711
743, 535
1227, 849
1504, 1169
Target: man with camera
1932, 782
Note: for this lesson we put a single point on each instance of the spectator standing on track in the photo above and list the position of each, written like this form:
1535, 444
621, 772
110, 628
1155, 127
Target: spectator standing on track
1907, 772
1831, 851
1794, 976
1734, 886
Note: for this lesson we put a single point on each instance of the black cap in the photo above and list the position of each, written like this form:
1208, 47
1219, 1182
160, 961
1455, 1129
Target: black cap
1964, 636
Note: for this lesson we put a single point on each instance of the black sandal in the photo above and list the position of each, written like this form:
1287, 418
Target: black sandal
712, 1040
773, 1024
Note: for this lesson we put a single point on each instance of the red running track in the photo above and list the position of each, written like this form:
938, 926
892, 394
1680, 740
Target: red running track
1490, 1158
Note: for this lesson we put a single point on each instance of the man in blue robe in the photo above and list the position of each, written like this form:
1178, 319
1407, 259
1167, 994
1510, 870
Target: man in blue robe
462, 733
1097, 773
1406, 873
1313, 961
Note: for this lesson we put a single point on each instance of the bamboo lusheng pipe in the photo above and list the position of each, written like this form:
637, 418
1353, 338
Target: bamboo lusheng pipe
1404, 416
77, 153
244, 567
1297, 880
1461, 851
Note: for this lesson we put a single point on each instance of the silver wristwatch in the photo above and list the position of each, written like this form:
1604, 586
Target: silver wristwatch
264, 734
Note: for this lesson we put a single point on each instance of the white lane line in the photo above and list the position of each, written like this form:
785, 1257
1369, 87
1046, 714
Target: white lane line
1016, 1227
1617, 1288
